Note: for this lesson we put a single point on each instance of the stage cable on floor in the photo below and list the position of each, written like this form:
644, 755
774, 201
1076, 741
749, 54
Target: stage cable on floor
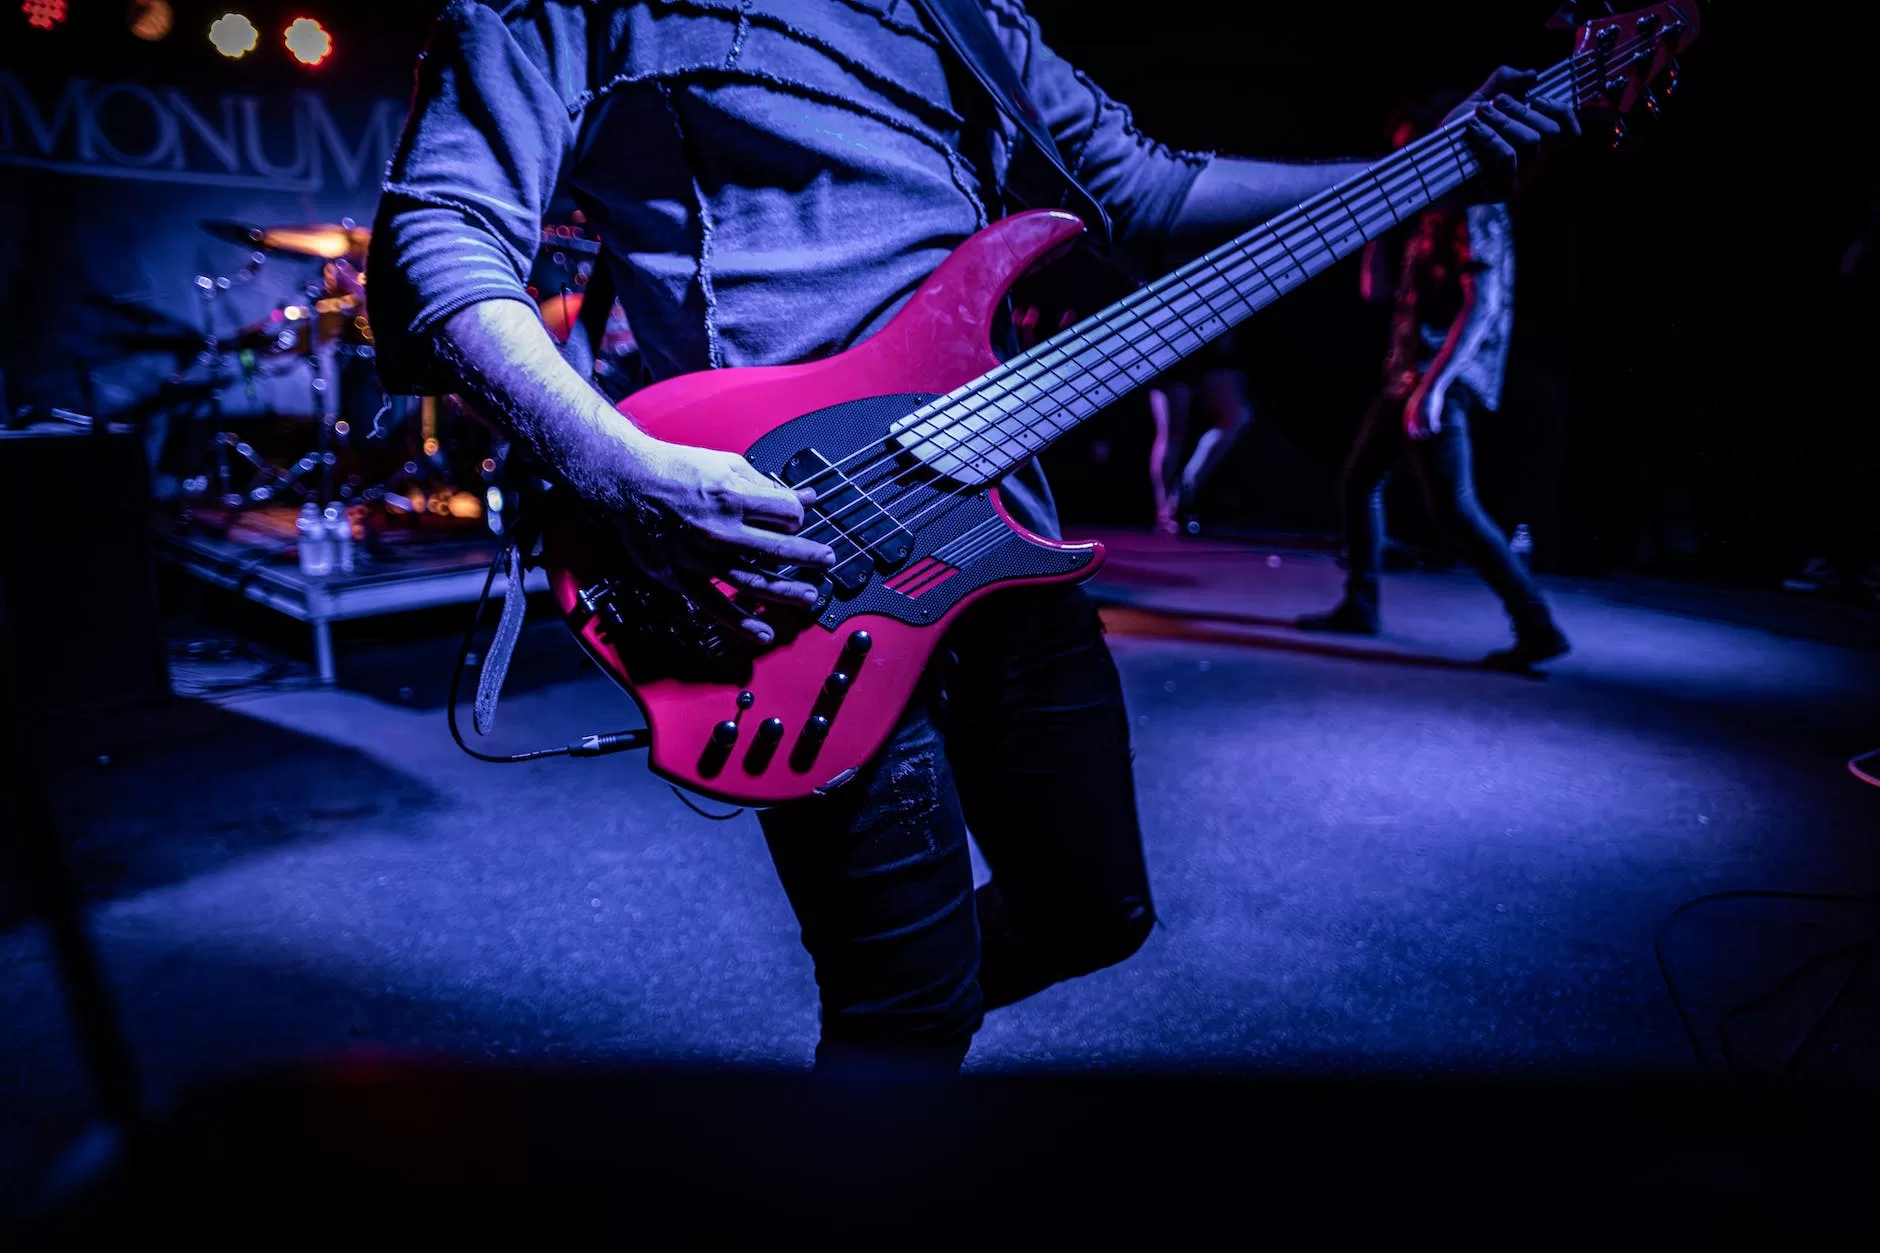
1742, 1007
1863, 765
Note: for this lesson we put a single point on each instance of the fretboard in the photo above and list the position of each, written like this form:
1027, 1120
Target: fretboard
991, 426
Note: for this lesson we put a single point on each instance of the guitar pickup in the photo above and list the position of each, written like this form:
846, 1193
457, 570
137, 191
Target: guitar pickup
848, 514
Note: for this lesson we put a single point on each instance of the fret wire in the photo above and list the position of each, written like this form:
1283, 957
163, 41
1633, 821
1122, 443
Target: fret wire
1187, 278
1249, 250
1375, 176
1250, 253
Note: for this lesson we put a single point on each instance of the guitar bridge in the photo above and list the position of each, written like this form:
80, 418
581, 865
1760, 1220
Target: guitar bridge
669, 632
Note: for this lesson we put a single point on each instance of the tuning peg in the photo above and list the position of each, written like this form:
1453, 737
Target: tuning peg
1653, 105
1618, 134
1671, 79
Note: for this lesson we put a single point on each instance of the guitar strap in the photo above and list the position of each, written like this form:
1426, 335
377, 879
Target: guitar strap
508, 628
1038, 175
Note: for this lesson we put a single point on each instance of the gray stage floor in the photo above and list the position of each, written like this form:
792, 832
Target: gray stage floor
1368, 858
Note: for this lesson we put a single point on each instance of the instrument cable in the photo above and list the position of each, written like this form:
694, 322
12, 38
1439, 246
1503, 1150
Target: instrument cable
1859, 767
1864, 945
586, 746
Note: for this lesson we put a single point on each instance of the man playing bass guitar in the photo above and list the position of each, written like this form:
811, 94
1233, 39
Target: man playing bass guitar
772, 181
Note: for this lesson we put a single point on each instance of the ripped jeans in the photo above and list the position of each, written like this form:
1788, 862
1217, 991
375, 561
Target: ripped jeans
1019, 733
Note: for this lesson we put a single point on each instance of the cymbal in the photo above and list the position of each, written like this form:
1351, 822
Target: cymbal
328, 241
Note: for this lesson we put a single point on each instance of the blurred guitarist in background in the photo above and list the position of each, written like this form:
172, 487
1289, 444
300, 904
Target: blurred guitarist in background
1453, 313
1213, 383
773, 190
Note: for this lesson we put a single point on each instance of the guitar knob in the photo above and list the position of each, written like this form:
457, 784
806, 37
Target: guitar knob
859, 643
836, 684
770, 730
725, 734
817, 728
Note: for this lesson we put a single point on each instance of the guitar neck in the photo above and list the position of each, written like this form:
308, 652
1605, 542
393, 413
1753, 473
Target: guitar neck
994, 424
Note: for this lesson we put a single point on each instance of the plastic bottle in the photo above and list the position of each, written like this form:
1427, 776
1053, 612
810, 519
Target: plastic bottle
316, 546
1522, 545
339, 537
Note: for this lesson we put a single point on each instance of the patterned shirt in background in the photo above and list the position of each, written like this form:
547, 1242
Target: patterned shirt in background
772, 178
1443, 246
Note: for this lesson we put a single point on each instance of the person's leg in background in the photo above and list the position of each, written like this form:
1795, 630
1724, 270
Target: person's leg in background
1222, 396
1445, 467
881, 880
1375, 453
1169, 404
1039, 742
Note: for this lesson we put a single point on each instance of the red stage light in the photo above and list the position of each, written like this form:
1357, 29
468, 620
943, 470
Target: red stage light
45, 14
308, 41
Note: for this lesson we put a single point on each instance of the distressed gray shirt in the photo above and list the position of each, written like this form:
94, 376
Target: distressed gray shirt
772, 179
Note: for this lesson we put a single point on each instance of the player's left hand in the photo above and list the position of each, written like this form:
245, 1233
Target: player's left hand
1423, 413
1512, 133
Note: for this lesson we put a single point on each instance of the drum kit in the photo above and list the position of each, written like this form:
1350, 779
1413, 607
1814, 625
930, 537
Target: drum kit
409, 455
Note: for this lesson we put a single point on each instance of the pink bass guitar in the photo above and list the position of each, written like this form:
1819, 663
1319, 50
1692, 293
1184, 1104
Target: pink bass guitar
903, 436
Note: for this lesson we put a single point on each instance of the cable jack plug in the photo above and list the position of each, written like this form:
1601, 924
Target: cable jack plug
611, 742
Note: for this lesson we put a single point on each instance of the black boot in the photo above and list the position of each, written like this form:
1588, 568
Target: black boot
1352, 617
1534, 642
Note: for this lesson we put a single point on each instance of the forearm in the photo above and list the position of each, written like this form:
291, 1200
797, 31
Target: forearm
1235, 194
511, 369
1480, 301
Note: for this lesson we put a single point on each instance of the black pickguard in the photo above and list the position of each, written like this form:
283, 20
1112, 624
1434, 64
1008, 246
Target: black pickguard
987, 551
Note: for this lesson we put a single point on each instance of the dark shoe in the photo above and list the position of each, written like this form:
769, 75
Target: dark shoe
1347, 619
1532, 645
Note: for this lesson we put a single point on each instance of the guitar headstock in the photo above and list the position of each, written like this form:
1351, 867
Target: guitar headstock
1629, 61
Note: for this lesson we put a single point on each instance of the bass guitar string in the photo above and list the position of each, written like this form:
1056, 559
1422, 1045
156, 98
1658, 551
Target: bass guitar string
1411, 157
1448, 142
1453, 144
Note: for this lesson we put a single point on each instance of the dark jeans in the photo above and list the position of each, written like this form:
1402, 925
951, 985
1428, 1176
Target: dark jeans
1444, 469
1019, 734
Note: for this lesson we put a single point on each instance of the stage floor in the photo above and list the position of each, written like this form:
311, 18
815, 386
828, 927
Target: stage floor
1369, 858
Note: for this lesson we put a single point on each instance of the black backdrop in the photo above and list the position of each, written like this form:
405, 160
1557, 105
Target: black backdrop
1658, 414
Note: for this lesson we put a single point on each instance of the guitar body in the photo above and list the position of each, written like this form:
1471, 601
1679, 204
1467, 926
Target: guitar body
763, 726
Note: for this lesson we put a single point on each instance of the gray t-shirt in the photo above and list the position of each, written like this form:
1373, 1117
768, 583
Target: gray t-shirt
772, 179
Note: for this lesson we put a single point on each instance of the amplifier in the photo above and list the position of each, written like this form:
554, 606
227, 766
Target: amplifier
77, 575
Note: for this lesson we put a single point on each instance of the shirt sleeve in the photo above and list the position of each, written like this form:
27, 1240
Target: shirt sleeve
1141, 183
492, 120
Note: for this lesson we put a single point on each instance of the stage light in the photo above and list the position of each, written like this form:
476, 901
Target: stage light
233, 35
152, 19
44, 14
308, 41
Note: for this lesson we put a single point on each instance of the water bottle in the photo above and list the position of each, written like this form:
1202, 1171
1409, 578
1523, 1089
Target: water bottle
316, 546
1522, 544
339, 537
